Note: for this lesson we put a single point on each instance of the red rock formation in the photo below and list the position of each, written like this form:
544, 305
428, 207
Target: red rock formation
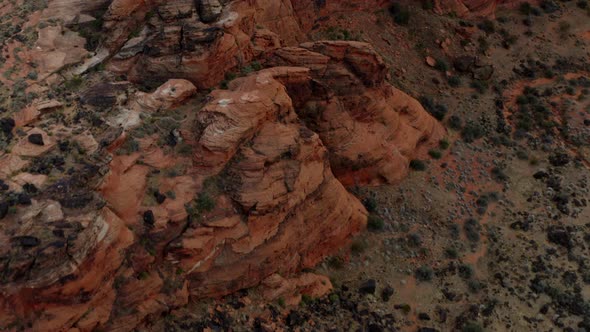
371, 129
58, 270
296, 212
265, 192
181, 43
481, 8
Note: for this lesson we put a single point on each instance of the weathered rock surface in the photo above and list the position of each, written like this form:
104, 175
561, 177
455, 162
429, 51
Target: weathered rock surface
170, 94
371, 129
51, 257
484, 8
263, 193
282, 178
202, 43
56, 48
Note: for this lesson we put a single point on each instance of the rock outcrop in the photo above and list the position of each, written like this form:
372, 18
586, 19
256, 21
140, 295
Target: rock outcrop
295, 212
261, 193
371, 129
476, 8
60, 266
201, 41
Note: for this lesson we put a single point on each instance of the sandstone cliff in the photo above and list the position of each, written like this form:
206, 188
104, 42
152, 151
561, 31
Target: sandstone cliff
263, 192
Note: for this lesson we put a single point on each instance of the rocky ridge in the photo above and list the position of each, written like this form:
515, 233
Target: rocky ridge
257, 197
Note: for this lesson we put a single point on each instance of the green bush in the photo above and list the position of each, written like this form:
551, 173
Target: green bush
401, 14
451, 253
444, 144
455, 122
417, 165
487, 26
525, 8
471, 132
454, 81
429, 4
424, 273
479, 86
466, 271
441, 65
438, 111
472, 229
375, 223
205, 203
436, 154
370, 204
498, 174
472, 326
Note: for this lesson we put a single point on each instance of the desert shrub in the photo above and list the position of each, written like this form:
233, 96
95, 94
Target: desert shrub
417, 165
400, 14
73, 83
335, 262
444, 144
424, 273
130, 146
474, 285
471, 132
549, 6
375, 223
522, 155
525, 8
438, 111
441, 65
498, 174
472, 229
582, 4
358, 246
429, 4
454, 81
472, 326
564, 28
480, 86
455, 122
451, 252
436, 154
414, 239
370, 204
508, 39
205, 203
252, 67
32, 75
483, 44
487, 26
465, 271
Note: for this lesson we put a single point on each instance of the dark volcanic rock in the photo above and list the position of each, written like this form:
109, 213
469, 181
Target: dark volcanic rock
36, 139
26, 241
3, 209
159, 197
148, 217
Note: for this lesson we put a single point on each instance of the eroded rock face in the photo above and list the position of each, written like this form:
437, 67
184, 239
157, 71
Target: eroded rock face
371, 129
51, 257
482, 8
201, 40
170, 94
281, 179
264, 190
